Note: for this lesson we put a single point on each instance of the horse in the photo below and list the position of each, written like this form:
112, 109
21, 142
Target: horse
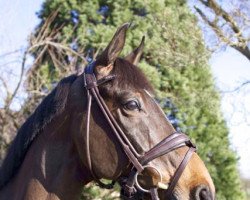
103, 124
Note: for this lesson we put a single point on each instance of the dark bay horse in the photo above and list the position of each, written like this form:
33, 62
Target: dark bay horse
111, 127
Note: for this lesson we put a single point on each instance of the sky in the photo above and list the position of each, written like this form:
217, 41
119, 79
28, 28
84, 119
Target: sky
18, 19
229, 68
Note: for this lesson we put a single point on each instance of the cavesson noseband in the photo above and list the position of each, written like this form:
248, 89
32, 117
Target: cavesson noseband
139, 162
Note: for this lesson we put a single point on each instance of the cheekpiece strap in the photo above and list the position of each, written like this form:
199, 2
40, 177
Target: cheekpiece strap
89, 69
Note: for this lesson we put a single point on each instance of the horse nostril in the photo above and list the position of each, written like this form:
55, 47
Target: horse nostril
203, 193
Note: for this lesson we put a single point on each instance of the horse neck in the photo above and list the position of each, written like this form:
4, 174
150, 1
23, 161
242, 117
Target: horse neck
51, 168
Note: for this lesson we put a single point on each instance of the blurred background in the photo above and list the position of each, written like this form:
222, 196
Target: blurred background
197, 56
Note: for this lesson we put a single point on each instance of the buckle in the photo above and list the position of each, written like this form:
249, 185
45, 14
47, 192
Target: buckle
89, 81
189, 143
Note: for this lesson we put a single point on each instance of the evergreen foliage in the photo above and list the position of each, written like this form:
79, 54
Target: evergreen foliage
174, 59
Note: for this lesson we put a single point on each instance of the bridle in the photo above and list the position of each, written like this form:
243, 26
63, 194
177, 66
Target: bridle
139, 162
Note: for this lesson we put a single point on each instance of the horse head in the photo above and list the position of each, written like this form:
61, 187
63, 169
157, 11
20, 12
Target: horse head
128, 97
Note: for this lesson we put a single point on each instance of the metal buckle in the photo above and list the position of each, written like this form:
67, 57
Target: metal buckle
191, 144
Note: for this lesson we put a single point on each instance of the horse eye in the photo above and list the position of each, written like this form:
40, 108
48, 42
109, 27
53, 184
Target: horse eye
132, 105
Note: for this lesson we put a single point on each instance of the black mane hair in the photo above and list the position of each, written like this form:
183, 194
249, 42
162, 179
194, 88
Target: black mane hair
50, 107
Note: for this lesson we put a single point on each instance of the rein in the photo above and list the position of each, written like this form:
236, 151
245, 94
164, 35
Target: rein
130, 185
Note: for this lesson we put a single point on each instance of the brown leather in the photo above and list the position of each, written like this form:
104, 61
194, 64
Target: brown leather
180, 170
154, 194
167, 145
170, 143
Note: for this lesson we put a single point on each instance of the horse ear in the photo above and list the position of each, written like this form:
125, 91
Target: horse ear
134, 56
105, 61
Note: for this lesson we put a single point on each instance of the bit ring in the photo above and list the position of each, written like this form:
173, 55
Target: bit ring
136, 178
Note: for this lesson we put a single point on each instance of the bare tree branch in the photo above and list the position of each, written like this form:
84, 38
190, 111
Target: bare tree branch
213, 25
241, 43
10, 53
19, 82
238, 87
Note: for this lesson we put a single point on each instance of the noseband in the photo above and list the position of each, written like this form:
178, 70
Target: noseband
139, 162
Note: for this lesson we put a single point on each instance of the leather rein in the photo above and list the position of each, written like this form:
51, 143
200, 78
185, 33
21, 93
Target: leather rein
130, 185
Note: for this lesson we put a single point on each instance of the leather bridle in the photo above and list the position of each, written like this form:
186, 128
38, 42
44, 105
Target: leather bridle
139, 162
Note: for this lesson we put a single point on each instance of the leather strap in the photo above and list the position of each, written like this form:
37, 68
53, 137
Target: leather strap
174, 141
180, 170
88, 155
154, 194
170, 143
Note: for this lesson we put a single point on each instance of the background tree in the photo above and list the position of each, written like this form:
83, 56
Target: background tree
175, 60
10, 119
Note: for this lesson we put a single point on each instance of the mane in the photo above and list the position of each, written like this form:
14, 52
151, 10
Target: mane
50, 107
